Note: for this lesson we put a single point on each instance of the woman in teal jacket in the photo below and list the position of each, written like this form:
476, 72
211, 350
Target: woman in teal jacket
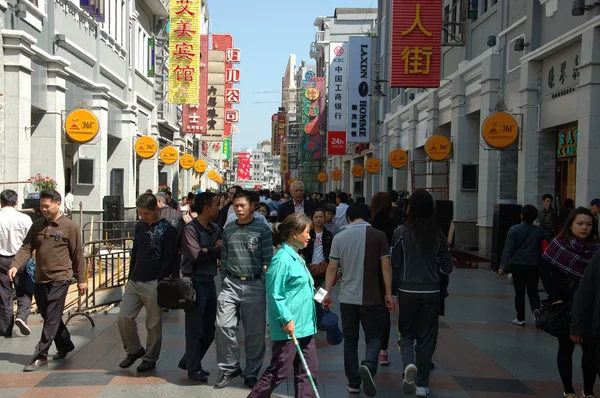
291, 311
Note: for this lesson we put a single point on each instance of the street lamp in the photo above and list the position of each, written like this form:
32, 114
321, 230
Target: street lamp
377, 94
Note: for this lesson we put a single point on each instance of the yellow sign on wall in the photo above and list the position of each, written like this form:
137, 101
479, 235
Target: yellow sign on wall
213, 175
186, 161
322, 176
200, 166
500, 129
336, 175
169, 155
145, 147
437, 147
184, 51
398, 158
373, 165
82, 125
358, 170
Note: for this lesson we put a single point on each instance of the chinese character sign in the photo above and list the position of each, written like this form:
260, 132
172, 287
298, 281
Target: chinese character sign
359, 82
338, 87
224, 42
275, 140
416, 43
184, 51
194, 118
215, 112
243, 172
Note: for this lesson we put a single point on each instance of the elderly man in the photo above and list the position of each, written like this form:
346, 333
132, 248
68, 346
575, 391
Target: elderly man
298, 204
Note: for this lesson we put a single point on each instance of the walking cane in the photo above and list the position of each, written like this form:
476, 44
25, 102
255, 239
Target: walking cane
305, 365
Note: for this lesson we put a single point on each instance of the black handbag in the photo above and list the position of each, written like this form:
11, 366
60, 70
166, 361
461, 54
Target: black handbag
555, 319
176, 293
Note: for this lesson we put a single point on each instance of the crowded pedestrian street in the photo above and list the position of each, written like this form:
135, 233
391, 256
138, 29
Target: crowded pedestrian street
479, 354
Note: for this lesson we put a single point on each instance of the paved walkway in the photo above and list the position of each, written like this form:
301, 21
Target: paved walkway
480, 354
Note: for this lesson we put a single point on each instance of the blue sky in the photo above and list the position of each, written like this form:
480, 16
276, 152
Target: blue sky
267, 32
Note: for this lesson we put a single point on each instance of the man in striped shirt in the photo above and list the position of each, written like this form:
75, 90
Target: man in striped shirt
247, 250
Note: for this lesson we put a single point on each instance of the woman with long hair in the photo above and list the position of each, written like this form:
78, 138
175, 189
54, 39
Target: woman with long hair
563, 265
381, 219
290, 290
420, 253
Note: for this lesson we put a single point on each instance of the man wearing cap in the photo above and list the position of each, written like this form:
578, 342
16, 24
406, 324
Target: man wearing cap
595, 208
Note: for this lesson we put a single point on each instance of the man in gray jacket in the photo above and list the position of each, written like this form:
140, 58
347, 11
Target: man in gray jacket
201, 247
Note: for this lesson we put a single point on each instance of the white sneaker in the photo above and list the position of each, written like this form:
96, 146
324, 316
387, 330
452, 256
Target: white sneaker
518, 322
410, 374
23, 327
353, 390
422, 392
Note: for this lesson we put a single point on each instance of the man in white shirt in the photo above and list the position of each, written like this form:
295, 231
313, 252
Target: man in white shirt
69, 199
340, 219
13, 229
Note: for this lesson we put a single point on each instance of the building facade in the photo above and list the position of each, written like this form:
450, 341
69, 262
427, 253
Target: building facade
57, 58
531, 58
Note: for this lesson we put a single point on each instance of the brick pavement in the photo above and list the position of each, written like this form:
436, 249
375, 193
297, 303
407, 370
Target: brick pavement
480, 354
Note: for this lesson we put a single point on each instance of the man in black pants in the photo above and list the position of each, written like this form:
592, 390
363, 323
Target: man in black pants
59, 256
201, 247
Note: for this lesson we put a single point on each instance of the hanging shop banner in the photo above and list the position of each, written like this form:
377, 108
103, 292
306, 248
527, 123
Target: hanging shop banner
275, 141
499, 130
215, 112
359, 82
194, 119
227, 148
313, 139
438, 147
414, 45
398, 158
358, 170
200, 166
284, 165
213, 175
243, 171
373, 165
336, 174
184, 54
169, 155
186, 161
224, 42
146, 147
337, 116
322, 176
336, 143
82, 125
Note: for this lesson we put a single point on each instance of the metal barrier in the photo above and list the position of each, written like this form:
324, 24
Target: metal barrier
105, 230
107, 271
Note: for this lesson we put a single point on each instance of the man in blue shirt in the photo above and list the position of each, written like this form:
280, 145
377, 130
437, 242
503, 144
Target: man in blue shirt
152, 258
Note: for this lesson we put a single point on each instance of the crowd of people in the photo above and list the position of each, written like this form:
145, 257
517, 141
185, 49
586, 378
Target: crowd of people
278, 256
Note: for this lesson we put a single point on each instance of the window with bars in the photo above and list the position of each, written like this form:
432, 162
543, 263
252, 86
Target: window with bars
114, 22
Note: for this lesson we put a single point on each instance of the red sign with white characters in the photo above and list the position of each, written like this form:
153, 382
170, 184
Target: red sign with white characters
232, 96
194, 118
336, 142
415, 43
232, 115
224, 42
243, 172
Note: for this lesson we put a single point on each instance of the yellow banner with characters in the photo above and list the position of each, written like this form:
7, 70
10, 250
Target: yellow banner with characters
184, 51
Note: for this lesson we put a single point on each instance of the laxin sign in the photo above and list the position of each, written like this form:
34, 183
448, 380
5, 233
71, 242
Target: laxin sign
415, 43
359, 80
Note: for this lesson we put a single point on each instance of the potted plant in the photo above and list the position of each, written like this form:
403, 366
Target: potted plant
40, 182
163, 188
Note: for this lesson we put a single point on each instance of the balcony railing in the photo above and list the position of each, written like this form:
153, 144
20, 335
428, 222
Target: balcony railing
320, 36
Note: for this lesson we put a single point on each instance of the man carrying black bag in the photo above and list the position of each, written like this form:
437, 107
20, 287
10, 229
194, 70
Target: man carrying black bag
152, 259
201, 248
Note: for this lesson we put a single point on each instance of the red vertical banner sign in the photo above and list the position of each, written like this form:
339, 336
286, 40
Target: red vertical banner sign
416, 43
223, 42
243, 172
275, 141
194, 118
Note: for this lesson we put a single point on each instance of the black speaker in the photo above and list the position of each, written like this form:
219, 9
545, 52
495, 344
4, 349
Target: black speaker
444, 214
505, 216
113, 211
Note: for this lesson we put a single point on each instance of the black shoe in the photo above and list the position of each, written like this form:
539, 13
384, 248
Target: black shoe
367, 381
146, 366
432, 366
321, 328
251, 382
63, 354
224, 379
23, 327
131, 358
36, 365
182, 364
198, 376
